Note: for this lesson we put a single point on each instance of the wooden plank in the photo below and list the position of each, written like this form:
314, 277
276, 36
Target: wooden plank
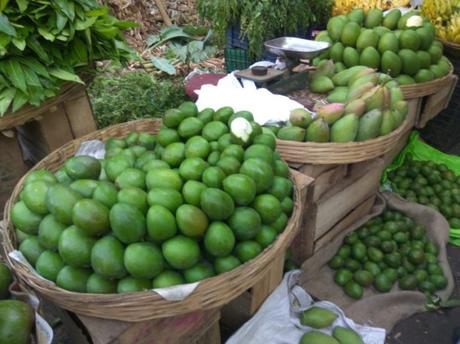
188, 327
437, 102
357, 213
263, 288
12, 166
55, 128
327, 179
29, 112
315, 170
333, 208
80, 115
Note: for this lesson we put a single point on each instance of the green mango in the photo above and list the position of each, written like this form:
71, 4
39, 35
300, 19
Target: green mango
315, 337
388, 123
291, 134
342, 78
321, 84
345, 129
369, 125
318, 131
346, 336
317, 317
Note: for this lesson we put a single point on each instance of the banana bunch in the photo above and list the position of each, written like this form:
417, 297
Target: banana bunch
445, 16
345, 6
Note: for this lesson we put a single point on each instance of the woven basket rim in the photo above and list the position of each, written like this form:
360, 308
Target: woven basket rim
425, 88
332, 152
451, 45
147, 305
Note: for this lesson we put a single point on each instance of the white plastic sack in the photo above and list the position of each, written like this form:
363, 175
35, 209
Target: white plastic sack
277, 321
265, 106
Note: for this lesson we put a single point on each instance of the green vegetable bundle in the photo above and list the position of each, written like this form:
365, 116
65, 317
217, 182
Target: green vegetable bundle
44, 43
261, 20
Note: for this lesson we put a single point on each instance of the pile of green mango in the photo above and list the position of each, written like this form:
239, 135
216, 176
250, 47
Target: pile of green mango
402, 46
363, 105
430, 184
16, 317
321, 318
387, 249
204, 195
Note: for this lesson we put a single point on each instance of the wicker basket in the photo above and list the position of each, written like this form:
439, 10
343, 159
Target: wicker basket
425, 88
451, 49
341, 153
133, 307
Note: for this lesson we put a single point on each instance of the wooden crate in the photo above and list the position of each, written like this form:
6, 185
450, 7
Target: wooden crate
435, 103
12, 166
201, 327
337, 191
41, 130
56, 122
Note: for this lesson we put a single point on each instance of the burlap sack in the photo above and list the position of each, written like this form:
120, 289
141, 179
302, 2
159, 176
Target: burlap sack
377, 309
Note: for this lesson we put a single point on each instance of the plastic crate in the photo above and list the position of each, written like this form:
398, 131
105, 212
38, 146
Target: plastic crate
236, 59
442, 132
234, 40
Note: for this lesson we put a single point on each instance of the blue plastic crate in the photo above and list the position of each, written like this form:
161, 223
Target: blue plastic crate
234, 40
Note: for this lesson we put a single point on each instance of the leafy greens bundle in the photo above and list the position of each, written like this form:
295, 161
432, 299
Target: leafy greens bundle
44, 43
260, 20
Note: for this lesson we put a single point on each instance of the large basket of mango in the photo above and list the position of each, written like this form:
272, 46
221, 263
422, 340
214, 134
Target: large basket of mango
204, 198
363, 116
401, 45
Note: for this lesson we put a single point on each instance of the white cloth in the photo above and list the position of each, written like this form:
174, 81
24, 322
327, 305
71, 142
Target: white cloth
265, 106
277, 321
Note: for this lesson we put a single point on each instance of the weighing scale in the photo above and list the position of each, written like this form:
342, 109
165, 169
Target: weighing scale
294, 52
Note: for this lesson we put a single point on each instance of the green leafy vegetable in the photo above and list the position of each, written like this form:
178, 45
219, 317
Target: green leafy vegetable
133, 95
260, 20
46, 43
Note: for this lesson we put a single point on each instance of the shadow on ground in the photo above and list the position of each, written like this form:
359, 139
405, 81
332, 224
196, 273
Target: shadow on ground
432, 327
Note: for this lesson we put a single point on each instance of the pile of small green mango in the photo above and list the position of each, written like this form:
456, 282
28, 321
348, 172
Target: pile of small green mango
321, 318
430, 184
388, 248
362, 105
403, 46
204, 195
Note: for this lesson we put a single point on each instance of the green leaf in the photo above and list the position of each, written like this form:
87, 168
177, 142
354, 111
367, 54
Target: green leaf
6, 97
98, 12
3, 4
81, 25
4, 40
13, 70
152, 39
22, 4
19, 100
19, 43
36, 66
65, 75
61, 21
163, 65
79, 53
67, 7
33, 44
46, 34
31, 78
5, 26
180, 51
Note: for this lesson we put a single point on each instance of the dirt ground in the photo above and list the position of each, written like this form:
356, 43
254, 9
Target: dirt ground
432, 327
